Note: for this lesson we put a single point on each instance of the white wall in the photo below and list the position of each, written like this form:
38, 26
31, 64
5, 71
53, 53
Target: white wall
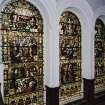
96, 3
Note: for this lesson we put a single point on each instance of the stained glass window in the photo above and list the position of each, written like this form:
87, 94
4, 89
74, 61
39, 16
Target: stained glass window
100, 55
70, 56
22, 53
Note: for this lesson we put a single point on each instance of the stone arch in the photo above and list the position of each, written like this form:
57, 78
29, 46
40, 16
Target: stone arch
99, 15
80, 9
85, 14
45, 15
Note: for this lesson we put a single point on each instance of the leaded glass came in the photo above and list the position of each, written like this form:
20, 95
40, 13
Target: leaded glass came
22, 53
100, 55
70, 56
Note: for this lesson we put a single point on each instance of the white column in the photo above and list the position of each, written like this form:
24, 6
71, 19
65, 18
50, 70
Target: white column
93, 54
53, 49
88, 54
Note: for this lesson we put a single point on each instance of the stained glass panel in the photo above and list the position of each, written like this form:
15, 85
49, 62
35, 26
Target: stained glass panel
100, 55
22, 53
70, 56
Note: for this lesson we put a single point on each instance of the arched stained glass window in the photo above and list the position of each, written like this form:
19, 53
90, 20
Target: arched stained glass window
22, 53
70, 56
100, 55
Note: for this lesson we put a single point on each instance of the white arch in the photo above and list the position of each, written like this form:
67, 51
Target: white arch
45, 13
48, 10
98, 13
51, 52
85, 14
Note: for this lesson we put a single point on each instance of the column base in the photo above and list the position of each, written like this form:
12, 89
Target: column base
89, 96
52, 96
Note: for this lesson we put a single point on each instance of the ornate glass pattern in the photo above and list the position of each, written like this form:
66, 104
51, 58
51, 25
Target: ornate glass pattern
22, 53
100, 55
70, 56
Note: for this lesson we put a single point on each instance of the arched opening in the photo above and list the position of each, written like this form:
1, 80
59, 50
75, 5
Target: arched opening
70, 56
100, 55
22, 53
